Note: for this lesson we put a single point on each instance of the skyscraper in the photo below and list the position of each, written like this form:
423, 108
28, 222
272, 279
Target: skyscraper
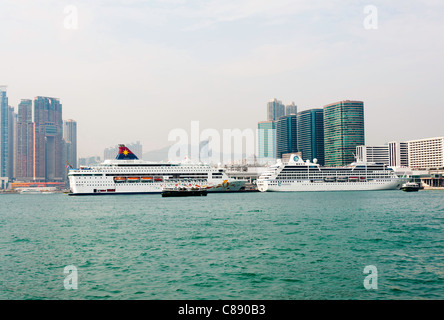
275, 110
267, 141
70, 139
343, 131
48, 135
6, 135
24, 160
286, 135
14, 161
291, 109
11, 136
310, 136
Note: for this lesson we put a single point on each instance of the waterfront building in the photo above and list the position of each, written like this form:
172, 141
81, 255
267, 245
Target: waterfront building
426, 154
48, 139
398, 154
291, 108
6, 135
14, 141
24, 159
5, 152
343, 131
70, 139
286, 135
275, 110
11, 136
379, 154
266, 141
310, 134
4, 183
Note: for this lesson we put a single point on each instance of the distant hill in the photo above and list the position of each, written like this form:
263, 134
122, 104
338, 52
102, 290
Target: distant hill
156, 155
162, 155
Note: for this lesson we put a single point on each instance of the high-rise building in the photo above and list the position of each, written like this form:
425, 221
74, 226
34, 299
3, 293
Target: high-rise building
398, 154
311, 134
426, 153
266, 141
343, 131
14, 152
291, 109
110, 153
70, 139
379, 154
6, 136
4, 132
24, 159
11, 135
275, 110
48, 139
286, 135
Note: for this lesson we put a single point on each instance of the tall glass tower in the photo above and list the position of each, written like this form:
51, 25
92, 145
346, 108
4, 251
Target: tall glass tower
286, 135
310, 124
25, 141
5, 156
70, 138
291, 108
275, 110
48, 139
267, 140
343, 131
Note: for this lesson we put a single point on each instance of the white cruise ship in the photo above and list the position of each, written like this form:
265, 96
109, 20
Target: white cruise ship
128, 175
297, 175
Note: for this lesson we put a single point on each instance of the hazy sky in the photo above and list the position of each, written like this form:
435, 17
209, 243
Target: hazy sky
135, 70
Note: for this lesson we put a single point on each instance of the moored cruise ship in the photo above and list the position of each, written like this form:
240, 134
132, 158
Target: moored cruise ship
128, 175
297, 175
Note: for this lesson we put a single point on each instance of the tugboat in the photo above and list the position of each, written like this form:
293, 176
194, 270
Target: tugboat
184, 192
410, 186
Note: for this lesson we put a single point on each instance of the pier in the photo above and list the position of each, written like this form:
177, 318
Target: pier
245, 172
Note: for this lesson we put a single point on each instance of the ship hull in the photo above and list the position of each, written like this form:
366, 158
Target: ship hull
274, 186
110, 187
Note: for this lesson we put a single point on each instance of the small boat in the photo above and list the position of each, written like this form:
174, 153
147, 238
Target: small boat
31, 191
183, 192
410, 186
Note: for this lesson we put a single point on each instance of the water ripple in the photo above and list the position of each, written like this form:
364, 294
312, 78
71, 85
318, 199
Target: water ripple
228, 246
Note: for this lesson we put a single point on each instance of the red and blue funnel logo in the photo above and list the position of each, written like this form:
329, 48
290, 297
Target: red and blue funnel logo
125, 153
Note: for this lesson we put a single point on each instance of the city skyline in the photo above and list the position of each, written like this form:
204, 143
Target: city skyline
36, 141
129, 63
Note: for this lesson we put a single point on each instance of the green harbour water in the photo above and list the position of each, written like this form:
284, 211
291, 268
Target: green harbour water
274, 246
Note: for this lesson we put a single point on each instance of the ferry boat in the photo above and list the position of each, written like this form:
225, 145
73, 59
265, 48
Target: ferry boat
297, 175
184, 192
128, 175
410, 186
